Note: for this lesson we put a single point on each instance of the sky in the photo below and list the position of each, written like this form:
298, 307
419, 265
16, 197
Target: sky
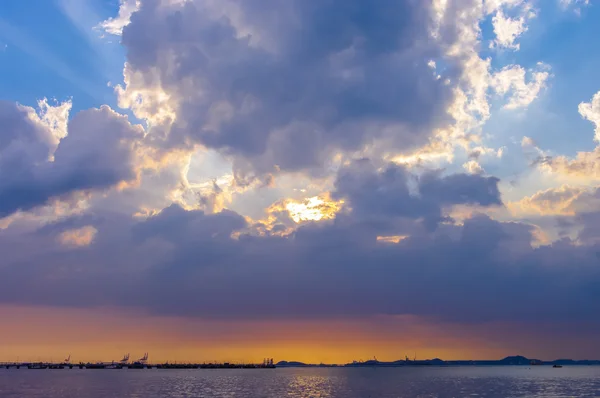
322, 181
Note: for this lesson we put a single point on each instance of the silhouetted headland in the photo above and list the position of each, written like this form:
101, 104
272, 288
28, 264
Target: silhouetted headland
516, 360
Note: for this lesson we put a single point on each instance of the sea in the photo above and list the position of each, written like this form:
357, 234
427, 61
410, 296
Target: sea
505, 381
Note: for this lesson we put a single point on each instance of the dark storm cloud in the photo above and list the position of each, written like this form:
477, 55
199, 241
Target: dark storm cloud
178, 225
484, 270
309, 78
97, 153
189, 263
461, 189
387, 193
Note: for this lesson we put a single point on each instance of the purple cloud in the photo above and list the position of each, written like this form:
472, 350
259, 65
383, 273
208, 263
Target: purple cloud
97, 153
287, 88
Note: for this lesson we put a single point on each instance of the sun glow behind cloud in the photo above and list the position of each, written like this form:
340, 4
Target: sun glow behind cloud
313, 209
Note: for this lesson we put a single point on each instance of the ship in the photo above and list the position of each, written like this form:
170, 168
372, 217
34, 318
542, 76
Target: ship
140, 363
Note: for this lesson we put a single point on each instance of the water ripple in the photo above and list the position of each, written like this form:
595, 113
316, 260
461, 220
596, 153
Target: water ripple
488, 382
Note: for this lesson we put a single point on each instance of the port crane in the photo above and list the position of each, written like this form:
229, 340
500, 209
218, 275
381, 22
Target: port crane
125, 359
143, 359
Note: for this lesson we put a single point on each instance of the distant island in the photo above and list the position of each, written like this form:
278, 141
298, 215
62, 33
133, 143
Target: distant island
517, 360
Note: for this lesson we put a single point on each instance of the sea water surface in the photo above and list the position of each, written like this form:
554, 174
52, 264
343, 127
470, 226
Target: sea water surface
507, 381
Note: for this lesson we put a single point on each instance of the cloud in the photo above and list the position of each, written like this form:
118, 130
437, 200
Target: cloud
392, 192
97, 153
591, 111
461, 189
527, 142
473, 167
277, 97
312, 209
287, 91
567, 3
553, 201
585, 165
78, 237
479, 76
509, 29
178, 225
512, 81
191, 256
338, 268
575, 5
114, 26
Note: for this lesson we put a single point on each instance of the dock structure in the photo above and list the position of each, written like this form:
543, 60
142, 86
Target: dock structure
46, 365
142, 363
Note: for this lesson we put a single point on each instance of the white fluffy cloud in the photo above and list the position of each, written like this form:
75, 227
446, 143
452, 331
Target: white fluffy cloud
471, 107
520, 86
52, 117
115, 25
591, 111
508, 30
473, 167
585, 165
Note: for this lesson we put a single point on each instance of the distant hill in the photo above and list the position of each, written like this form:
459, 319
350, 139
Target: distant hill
291, 364
516, 360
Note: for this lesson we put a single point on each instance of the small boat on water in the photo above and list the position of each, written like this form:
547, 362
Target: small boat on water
557, 366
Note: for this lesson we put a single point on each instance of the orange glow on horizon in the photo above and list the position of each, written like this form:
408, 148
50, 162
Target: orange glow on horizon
45, 334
